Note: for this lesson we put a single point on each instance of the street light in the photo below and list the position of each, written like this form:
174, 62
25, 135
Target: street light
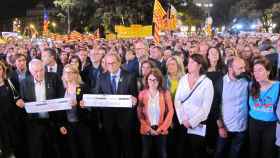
16, 25
32, 26
53, 24
184, 4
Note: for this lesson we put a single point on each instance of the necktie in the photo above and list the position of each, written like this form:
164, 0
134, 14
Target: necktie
114, 84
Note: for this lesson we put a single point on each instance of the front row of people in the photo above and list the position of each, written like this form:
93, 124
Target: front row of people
154, 107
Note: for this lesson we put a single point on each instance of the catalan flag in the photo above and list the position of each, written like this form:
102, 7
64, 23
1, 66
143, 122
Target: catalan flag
159, 12
159, 15
97, 34
172, 22
46, 22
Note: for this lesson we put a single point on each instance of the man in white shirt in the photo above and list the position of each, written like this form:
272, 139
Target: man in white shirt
232, 122
41, 126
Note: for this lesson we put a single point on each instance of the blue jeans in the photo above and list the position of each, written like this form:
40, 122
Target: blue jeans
230, 146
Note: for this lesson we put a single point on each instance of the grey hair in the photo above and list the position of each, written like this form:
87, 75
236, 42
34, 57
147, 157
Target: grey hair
34, 62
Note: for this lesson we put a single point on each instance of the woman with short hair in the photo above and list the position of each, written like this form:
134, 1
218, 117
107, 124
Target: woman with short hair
193, 101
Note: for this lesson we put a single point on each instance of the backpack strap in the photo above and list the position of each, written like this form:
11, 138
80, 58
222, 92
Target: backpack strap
16, 95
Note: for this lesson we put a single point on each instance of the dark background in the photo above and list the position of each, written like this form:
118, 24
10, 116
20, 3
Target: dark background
17, 8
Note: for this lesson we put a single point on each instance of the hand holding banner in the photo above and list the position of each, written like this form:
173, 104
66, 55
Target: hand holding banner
48, 105
114, 101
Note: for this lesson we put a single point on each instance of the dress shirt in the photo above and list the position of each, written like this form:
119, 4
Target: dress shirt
117, 76
40, 93
52, 68
21, 75
196, 109
234, 104
154, 109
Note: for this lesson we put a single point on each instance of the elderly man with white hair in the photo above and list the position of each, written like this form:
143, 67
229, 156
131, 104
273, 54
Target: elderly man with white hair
41, 127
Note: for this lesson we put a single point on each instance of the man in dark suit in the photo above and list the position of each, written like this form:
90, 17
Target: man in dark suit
156, 55
118, 122
48, 57
85, 60
132, 66
93, 71
90, 76
41, 127
141, 55
21, 72
274, 59
17, 76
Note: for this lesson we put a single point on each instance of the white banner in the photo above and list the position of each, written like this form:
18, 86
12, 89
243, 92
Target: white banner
48, 105
9, 34
200, 130
115, 101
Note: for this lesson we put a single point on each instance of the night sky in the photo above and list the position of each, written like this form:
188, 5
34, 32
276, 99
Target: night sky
17, 8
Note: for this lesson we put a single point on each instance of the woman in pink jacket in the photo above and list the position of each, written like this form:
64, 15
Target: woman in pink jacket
155, 112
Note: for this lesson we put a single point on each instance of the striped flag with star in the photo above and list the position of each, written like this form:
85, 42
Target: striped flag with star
159, 15
45, 22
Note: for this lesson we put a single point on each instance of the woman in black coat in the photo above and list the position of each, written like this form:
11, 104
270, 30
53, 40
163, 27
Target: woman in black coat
74, 123
9, 98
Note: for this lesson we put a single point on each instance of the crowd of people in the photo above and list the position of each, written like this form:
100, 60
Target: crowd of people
192, 96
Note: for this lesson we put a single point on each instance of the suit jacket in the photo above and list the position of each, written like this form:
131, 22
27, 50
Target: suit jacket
161, 65
132, 66
59, 71
13, 75
90, 76
166, 111
54, 90
127, 84
273, 58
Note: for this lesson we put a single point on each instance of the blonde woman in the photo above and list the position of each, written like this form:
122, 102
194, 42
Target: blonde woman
74, 122
175, 70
